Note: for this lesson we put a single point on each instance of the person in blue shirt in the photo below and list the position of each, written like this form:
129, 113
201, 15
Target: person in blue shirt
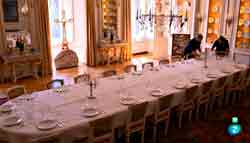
193, 47
221, 46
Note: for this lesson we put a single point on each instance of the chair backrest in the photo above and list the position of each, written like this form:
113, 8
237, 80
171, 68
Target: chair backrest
164, 61
130, 68
222, 82
109, 73
138, 111
236, 77
165, 101
248, 73
206, 87
50, 140
16, 91
57, 83
191, 93
148, 64
81, 78
103, 129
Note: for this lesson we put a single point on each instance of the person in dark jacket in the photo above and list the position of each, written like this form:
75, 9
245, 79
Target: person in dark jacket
193, 46
221, 46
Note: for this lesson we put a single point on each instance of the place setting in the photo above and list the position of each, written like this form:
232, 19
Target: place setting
48, 120
12, 121
154, 90
181, 84
7, 108
213, 74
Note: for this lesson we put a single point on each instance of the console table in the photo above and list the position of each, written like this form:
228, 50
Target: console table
109, 51
10, 62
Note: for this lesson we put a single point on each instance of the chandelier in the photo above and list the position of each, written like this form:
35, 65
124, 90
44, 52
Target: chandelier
156, 17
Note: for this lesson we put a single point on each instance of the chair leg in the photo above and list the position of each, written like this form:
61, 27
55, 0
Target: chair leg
128, 138
166, 127
234, 95
198, 112
155, 133
142, 136
227, 95
212, 103
190, 115
180, 119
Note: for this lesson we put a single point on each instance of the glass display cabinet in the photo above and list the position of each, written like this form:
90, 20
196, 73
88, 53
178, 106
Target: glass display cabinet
215, 15
243, 28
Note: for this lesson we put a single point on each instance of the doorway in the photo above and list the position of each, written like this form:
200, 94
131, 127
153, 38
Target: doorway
76, 28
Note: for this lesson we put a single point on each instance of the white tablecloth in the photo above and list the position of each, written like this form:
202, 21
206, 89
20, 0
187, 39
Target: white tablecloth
67, 107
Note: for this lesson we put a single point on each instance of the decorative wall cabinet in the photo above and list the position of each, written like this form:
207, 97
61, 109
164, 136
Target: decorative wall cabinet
243, 27
110, 21
215, 18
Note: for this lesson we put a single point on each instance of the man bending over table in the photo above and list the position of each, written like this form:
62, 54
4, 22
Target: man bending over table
193, 49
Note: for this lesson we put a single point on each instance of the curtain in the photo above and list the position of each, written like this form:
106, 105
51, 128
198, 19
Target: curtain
91, 33
2, 31
42, 36
126, 27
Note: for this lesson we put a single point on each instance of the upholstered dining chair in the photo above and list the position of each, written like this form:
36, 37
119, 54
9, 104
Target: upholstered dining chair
130, 68
147, 65
136, 123
235, 89
16, 91
55, 139
187, 105
164, 61
57, 83
109, 73
203, 99
2, 68
162, 115
102, 130
246, 82
81, 78
219, 94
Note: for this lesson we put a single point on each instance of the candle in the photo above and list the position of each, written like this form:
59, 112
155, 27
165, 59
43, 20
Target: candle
137, 14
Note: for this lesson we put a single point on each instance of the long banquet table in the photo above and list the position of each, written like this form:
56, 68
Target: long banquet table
67, 107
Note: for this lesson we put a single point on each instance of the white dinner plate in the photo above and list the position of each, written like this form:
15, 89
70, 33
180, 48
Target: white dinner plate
226, 70
212, 75
239, 66
12, 121
196, 80
47, 124
90, 112
157, 92
137, 73
181, 85
127, 101
6, 108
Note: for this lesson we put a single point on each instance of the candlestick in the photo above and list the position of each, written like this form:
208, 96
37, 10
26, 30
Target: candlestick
92, 85
205, 59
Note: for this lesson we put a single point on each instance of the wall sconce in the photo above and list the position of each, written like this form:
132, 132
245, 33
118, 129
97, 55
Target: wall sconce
199, 17
25, 8
229, 20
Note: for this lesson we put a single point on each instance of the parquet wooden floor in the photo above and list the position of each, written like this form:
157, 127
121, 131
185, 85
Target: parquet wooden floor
32, 84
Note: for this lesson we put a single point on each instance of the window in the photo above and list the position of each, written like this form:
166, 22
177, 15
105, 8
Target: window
55, 9
140, 32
